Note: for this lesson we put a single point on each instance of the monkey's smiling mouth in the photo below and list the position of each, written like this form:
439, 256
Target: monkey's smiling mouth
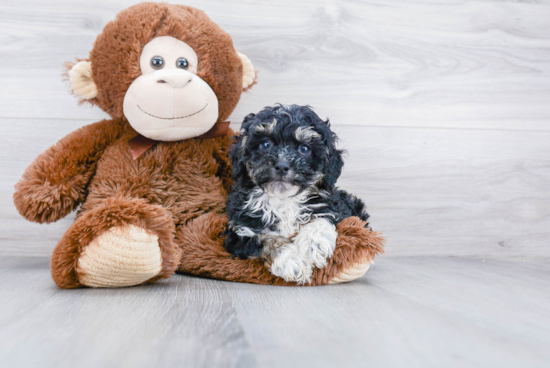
180, 117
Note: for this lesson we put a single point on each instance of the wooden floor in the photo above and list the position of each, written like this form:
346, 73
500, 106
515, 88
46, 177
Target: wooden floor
444, 109
407, 312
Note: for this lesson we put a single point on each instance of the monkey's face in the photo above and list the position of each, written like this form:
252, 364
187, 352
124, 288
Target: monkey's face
167, 69
168, 101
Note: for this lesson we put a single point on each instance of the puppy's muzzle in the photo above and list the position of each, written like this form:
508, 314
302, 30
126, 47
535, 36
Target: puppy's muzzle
282, 168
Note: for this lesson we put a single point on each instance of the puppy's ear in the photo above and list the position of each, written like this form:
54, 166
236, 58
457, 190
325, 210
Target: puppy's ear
335, 162
236, 151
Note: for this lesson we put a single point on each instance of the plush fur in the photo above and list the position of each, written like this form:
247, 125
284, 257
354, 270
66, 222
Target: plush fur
174, 190
284, 206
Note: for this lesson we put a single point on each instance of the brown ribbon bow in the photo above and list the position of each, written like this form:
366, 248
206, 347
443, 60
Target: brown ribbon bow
140, 144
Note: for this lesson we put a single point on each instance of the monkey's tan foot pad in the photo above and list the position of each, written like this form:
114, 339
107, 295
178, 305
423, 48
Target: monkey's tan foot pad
121, 256
351, 273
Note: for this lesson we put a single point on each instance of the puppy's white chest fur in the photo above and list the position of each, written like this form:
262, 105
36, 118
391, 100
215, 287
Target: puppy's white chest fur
284, 214
283, 211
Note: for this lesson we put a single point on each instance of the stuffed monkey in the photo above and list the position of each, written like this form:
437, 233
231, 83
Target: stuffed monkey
150, 184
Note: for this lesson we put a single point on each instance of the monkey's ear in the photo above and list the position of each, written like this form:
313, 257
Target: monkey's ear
80, 77
249, 74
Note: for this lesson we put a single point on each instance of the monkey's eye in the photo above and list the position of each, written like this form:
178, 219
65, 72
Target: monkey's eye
304, 149
182, 63
157, 62
265, 145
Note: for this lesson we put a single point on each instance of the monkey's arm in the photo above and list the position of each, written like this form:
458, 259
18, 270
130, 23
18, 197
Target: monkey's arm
203, 254
56, 182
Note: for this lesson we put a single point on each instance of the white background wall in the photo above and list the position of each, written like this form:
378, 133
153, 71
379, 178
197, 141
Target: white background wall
444, 107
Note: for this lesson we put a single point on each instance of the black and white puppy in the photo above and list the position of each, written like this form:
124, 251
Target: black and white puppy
284, 206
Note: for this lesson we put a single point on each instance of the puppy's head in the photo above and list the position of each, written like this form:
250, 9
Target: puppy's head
285, 150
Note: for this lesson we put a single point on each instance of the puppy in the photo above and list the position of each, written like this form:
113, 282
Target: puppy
284, 206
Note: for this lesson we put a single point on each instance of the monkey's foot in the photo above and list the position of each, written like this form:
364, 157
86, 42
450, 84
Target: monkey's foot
121, 242
121, 256
351, 273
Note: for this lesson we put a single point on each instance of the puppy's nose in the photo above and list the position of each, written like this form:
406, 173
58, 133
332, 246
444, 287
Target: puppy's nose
282, 167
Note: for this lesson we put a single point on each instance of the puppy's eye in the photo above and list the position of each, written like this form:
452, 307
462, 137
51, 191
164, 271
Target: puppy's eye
304, 149
157, 62
182, 63
265, 145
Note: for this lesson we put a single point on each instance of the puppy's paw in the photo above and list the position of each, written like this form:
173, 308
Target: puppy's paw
291, 268
274, 241
316, 242
271, 244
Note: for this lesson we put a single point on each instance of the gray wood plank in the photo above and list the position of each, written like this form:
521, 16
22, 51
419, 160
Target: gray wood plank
186, 321
482, 64
405, 312
431, 191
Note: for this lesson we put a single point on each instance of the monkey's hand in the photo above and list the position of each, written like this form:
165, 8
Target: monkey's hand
56, 182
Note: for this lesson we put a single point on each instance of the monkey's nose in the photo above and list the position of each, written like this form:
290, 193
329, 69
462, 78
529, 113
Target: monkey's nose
282, 167
176, 79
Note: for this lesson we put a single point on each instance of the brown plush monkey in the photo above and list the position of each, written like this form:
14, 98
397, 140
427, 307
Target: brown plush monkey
152, 182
